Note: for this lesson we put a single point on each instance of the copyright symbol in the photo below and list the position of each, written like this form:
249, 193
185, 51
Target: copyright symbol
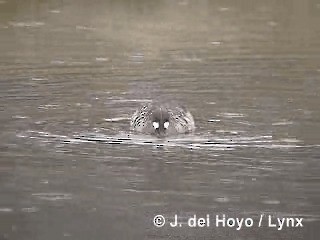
159, 221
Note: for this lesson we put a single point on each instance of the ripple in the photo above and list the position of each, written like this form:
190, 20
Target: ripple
222, 199
102, 59
216, 43
214, 120
235, 140
84, 28
55, 11
190, 59
290, 140
19, 117
282, 123
223, 9
231, 115
49, 106
53, 196
118, 119
129, 100
271, 202
137, 58
27, 24
6, 210
57, 62
39, 79
30, 209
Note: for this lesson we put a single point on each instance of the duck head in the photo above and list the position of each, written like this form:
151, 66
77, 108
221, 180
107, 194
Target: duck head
160, 121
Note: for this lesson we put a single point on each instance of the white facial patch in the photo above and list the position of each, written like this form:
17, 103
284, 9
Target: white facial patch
166, 125
155, 125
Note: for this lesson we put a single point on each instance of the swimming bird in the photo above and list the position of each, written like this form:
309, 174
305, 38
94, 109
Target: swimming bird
162, 120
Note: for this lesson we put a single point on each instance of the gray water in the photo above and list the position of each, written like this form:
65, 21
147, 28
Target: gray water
73, 72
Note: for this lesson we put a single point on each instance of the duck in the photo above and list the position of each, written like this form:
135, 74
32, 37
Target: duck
162, 120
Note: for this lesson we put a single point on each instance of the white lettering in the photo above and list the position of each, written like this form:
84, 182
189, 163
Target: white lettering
270, 224
222, 221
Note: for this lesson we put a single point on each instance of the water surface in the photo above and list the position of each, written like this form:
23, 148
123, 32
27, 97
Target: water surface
73, 72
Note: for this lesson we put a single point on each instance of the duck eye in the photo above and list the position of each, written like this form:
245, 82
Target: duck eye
166, 125
155, 125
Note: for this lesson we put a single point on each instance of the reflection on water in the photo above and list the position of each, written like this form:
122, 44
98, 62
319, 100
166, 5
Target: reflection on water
73, 72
